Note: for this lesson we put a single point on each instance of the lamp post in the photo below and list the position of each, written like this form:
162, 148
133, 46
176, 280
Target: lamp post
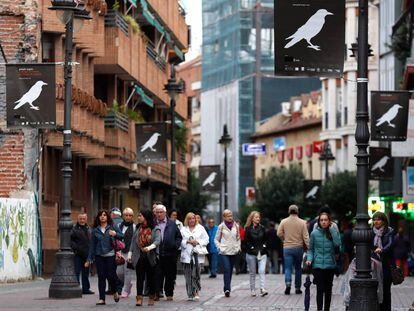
64, 283
225, 141
363, 286
173, 88
326, 156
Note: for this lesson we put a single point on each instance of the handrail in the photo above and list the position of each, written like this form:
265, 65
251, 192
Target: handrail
115, 19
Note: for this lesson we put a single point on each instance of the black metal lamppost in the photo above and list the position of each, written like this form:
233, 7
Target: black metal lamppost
174, 88
225, 141
363, 286
326, 156
64, 283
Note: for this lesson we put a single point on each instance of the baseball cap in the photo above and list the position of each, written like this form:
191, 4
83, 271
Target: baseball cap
116, 211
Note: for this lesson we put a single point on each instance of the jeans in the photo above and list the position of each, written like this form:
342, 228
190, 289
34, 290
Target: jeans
80, 268
323, 278
293, 258
125, 276
213, 261
166, 269
251, 264
106, 269
145, 272
228, 264
273, 261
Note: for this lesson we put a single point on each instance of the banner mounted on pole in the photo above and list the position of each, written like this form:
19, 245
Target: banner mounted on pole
381, 163
312, 191
389, 115
309, 38
31, 95
210, 177
151, 142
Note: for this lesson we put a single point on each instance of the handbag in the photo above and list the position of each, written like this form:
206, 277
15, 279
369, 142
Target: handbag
119, 259
397, 275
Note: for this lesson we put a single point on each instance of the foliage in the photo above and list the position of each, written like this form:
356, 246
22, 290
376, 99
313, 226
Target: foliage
400, 42
340, 194
135, 116
116, 6
277, 190
193, 200
131, 21
245, 212
180, 138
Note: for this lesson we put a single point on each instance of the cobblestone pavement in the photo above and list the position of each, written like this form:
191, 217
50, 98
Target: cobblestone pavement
33, 296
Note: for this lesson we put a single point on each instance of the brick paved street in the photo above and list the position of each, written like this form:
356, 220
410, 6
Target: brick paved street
33, 296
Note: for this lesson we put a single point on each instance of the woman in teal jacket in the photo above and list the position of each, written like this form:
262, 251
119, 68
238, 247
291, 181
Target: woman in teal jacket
324, 240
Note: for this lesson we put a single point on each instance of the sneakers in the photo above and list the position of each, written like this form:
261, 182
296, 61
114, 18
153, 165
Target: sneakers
298, 291
253, 293
124, 295
196, 298
227, 293
88, 292
287, 290
190, 299
100, 302
263, 292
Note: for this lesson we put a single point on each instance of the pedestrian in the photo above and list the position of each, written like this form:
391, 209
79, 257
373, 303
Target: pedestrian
347, 243
274, 248
382, 251
199, 219
294, 234
125, 274
117, 220
174, 217
170, 243
228, 241
324, 240
240, 264
402, 248
80, 243
256, 252
102, 253
193, 251
143, 254
212, 250
116, 216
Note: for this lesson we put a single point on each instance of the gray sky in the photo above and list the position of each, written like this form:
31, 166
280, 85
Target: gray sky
193, 18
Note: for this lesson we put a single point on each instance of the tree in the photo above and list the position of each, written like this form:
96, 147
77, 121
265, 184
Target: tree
340, 194
192, 200
277, 190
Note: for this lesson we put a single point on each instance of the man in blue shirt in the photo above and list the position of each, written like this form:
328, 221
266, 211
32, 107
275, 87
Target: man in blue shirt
212, 250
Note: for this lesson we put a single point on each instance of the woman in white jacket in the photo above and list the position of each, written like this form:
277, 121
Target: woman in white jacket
193, 251
228, 242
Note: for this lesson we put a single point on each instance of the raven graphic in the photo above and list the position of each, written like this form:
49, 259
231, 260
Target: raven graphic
30, 96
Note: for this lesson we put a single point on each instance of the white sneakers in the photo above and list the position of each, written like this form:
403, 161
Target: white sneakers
263, 292
253, 293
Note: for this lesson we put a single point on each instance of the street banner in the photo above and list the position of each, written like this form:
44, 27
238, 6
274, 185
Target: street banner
308, 150
210, 177
250, 194
317, 146
299, 152
254, 149
281, 156
289, 154
389, 115
410, 180
309, 38
405, 148
279, 143
31, 95
381, 163
312, 191
151, 141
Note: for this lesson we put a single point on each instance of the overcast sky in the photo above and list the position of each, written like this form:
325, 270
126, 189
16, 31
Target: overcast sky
193, 18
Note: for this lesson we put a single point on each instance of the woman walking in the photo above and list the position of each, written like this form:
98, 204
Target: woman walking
256, 252
102, 252
227, 242
321, 256
382, 251
193, 251
143, 254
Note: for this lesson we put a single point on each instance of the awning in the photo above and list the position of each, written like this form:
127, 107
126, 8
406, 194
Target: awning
133, 2
178, 122
144, 97
178, 52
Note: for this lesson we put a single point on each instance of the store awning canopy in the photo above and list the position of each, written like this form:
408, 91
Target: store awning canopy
144, 97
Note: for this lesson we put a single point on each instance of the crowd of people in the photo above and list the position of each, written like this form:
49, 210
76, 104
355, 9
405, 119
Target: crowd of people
150, 249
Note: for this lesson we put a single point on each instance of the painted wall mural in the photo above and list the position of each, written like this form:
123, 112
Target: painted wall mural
19, 243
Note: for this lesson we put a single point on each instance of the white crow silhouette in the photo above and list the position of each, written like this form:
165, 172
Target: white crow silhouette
30, 96
309, 30
389, 116
209, 180
312, 193
380, 164
151, 142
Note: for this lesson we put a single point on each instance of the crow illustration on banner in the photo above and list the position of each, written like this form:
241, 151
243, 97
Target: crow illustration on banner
151, 143
30, 96
380, 164
389, 116
312, 193
210, 179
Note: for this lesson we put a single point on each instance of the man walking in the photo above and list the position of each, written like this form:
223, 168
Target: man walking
274, 246
212, 250
80, 242
170, 243
294, 234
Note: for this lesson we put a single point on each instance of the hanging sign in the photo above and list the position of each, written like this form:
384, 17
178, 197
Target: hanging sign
254, 149
151, 142
210, 177
309, 37
381, 163
312, 191
389, 115
31, 95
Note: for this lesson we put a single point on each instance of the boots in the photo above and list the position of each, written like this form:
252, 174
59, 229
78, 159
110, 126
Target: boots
151, 300
138, 301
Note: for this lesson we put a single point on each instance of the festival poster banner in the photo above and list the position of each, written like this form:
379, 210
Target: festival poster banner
31, 95
381, 163
210, 177
151, 141
312, 191
309, 38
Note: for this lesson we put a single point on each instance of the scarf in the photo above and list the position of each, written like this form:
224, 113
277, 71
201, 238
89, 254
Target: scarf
144, 236
229, 224
378, 237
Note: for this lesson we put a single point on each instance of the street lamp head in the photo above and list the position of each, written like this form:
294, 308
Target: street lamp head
225, 139
66, 9
326, 155
174, 87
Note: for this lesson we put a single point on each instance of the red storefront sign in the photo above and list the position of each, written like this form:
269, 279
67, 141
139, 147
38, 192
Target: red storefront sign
281, 156
317, 146
289, 154
309, 150
299, 152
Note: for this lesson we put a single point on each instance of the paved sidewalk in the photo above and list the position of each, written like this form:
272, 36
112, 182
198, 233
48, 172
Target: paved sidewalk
32, 296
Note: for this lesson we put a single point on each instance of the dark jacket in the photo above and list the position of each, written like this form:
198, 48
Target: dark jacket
128, 229
273, 242
401, 247
255, 240
152, 255
101, 243
171, 241
80, 240
386, 256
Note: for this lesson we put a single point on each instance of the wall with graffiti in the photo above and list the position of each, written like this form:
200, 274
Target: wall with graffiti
19, 240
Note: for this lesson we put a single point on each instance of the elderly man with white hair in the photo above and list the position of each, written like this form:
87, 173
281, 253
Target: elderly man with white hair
170, 243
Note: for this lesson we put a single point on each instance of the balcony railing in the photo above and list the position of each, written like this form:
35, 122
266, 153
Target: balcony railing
117, 120
115, 19
159, 61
